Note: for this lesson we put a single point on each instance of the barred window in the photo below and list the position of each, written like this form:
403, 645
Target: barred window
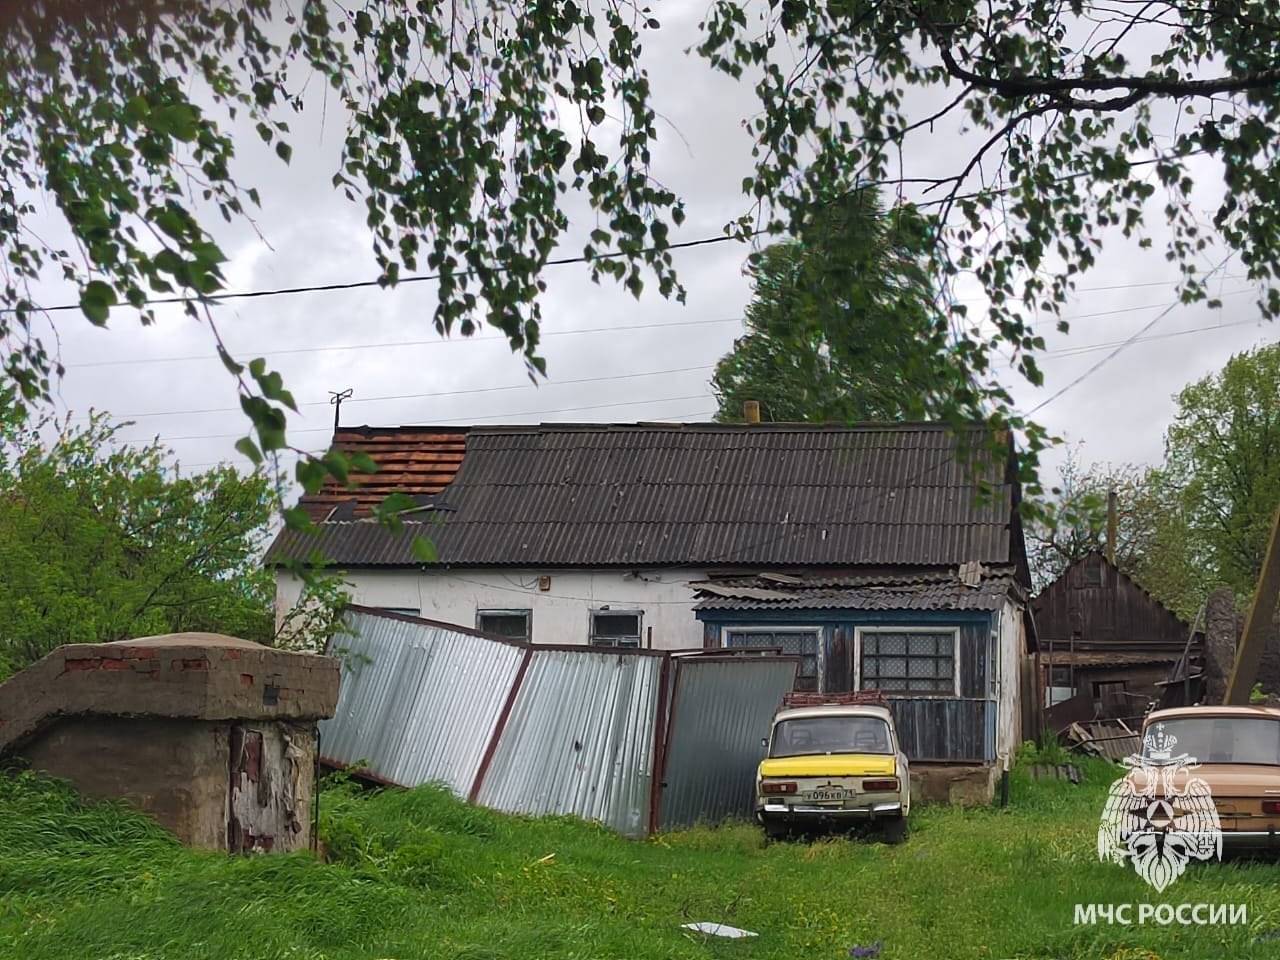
909, 661
615, 629
802, 643
514, 624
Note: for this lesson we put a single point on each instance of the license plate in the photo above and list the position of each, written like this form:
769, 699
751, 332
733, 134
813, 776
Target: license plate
820, 795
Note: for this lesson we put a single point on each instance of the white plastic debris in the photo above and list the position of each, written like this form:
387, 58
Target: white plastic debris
719, 929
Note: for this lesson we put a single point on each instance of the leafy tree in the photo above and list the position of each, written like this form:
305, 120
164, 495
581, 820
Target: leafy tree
1046, 127
469, 128
103, 541
1223, 452
455, 146
1152, 534
841, 326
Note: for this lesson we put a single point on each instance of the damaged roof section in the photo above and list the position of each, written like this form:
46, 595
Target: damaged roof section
946, 590
786, 495
420, 461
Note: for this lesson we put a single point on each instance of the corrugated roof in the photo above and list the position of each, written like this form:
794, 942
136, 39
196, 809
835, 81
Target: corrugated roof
654, 494
944, 591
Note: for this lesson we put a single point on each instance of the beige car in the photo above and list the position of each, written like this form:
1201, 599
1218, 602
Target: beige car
1235, 751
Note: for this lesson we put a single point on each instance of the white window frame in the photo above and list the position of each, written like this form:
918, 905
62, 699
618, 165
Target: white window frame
610, 643
860, 632
820, 661
526, 612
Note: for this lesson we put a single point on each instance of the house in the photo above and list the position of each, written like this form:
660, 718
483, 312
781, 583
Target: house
884, 555
1107, 648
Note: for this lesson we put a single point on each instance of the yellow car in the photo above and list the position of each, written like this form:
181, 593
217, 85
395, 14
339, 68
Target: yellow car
833, 765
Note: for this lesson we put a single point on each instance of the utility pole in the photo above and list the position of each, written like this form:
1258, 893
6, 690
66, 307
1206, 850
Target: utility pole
336, 397
1257, 625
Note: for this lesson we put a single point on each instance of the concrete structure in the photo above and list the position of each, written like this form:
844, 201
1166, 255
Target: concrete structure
211, 735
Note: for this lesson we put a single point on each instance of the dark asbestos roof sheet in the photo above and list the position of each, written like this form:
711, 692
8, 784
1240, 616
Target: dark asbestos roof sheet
780, 495
940, 591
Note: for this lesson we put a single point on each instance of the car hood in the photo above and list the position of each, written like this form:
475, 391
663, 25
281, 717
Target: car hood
830, 765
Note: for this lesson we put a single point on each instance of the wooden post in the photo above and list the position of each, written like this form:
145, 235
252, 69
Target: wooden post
751, 411
1257, 625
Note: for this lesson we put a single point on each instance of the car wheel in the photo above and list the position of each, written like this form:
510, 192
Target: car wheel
894, 830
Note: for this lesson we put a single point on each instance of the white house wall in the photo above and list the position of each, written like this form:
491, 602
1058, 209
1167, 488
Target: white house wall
561, 613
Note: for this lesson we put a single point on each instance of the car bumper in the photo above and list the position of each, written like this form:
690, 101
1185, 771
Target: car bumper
1242, 839
806, 813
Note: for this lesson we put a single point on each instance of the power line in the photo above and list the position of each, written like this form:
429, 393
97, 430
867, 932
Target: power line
416, 278
492, 416
391, 344
1121, 346
1093, 348
1065, 352
347, 400
387, 344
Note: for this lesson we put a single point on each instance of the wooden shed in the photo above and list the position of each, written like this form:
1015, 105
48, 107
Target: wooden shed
1105, 644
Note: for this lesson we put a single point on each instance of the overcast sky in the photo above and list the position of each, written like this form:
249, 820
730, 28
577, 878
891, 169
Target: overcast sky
610, 358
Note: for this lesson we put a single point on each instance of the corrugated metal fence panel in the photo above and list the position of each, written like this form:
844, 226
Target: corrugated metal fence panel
721, 710
580, 739
419, 702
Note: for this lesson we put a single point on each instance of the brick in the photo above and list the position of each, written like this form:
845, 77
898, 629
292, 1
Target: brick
199, 664
88, 663
231, 654
118, 665
246, 679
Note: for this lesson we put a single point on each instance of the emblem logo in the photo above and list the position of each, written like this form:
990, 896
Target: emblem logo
1159, 816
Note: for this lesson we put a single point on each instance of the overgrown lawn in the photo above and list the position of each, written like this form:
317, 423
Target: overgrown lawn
419, 874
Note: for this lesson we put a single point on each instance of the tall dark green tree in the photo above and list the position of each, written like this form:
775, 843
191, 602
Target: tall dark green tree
842, 324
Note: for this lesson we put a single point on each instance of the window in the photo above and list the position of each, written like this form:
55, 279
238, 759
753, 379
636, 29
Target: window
615, 628
513, 624
1093, 576
801, 642
916, 660
406, 611
807, 736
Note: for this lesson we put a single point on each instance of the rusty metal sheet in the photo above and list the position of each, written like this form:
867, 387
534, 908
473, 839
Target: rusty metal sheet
580, 739
419, 701
720, 710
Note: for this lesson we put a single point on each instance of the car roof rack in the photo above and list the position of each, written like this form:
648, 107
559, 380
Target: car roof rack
868, 698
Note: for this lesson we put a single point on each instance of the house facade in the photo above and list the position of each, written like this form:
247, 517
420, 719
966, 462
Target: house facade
886, 555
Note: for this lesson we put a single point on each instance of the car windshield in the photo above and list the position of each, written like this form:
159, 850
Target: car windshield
1214, 740
809, 735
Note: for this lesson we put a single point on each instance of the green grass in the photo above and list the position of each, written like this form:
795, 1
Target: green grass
418, 874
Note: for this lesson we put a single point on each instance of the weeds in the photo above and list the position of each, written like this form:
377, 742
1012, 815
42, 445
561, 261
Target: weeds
417, 874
